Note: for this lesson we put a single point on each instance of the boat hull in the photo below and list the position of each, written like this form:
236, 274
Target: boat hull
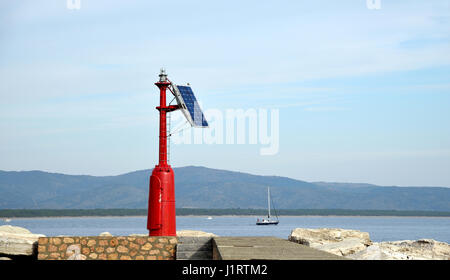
266, 223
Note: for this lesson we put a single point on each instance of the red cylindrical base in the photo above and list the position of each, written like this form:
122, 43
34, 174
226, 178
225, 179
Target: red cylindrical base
161, 218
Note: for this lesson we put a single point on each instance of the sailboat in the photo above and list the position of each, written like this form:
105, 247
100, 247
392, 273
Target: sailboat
268, 220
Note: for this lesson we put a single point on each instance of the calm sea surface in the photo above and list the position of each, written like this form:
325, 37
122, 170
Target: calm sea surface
379, 228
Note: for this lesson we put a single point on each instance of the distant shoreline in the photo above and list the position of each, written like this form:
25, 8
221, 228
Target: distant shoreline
52, 213
217, 216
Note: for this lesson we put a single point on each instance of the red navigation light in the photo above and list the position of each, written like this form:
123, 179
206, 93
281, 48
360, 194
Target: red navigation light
161, 219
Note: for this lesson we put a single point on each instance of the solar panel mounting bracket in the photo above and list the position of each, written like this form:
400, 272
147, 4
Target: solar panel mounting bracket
188, 112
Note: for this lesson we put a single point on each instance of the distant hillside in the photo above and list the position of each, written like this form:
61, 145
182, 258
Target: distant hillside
200, 187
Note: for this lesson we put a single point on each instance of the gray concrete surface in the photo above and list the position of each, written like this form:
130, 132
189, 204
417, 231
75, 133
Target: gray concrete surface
265, 248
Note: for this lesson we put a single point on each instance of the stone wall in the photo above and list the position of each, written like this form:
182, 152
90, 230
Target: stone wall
107, 248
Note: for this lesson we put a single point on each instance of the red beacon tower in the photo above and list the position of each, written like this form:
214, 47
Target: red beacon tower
161, 218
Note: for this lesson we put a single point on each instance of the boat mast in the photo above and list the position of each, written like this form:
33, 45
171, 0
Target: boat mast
268, 199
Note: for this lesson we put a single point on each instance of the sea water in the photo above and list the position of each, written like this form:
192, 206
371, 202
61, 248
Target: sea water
379, 228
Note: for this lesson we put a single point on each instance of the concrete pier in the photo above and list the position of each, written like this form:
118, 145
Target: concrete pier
265, 248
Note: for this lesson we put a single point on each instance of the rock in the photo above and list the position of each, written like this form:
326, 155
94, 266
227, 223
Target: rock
138, 234
321, 236
105, 234
422, 249
13, 229
341, 242
356, 245
195, 233
343, 248
17, 241
373, 252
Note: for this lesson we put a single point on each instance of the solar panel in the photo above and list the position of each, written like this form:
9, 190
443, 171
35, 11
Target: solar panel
189, 105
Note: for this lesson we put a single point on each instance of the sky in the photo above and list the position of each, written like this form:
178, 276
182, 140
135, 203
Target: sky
363, 94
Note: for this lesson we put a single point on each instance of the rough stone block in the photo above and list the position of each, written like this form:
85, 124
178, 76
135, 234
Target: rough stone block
107, 248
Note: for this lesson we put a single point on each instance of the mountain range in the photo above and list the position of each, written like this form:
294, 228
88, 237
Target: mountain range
201, 187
